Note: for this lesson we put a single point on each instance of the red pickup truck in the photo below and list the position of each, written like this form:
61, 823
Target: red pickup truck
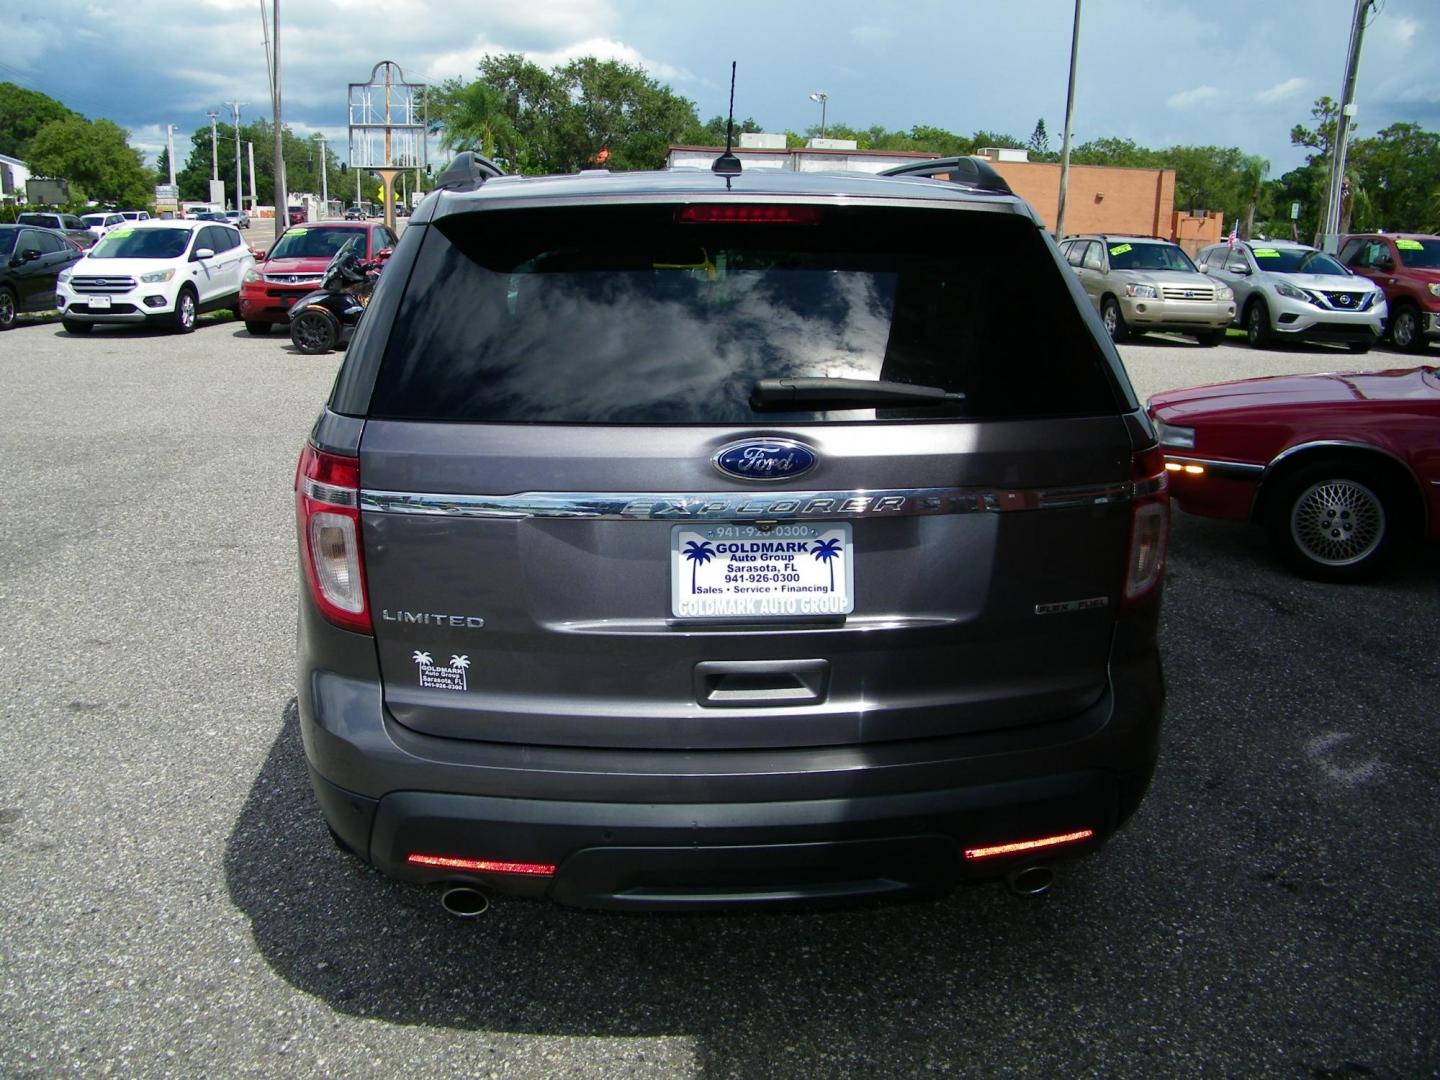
1407, 267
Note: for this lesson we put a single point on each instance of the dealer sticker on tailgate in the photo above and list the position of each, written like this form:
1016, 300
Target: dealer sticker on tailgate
739, 571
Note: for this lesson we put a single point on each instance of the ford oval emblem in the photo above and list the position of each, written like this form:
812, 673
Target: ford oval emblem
765, 459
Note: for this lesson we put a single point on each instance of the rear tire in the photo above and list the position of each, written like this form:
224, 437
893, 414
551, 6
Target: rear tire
8, 308
314, 332
1334, 520
1405, 329
186, 311
258, 329
1210, 338
1257, 324
1113, 320
79, 328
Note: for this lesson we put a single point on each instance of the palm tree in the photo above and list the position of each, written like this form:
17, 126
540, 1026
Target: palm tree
697, 554
477, 116
422, 658
1253, 170
461, 662
825, 550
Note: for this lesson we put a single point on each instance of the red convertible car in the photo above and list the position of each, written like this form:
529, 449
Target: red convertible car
1341, 469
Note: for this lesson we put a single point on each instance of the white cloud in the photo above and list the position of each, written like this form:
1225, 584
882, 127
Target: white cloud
1401, 31
463, 61
1290, 88
1188, 99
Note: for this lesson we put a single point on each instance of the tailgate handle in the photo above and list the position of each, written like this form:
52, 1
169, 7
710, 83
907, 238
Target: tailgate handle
740, 683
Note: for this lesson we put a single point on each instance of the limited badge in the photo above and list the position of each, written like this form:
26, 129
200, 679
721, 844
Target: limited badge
450, 677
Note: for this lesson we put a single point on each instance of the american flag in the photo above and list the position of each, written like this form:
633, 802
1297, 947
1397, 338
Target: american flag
1234, 234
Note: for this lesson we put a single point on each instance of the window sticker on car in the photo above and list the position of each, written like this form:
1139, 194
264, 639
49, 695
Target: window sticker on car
298, 232
1265, 253
1409, 245
437, 677
120, 232
1120, 249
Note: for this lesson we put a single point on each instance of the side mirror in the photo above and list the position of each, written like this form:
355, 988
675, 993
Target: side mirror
201, 254
384, 253
1238, 268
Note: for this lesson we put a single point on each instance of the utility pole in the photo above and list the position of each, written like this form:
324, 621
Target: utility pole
214, 151
254, 195
170, 150
1329, 239
239, 179
324, 179
282, 197
1069, 115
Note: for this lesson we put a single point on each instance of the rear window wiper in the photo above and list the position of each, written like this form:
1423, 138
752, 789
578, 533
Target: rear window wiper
824, 393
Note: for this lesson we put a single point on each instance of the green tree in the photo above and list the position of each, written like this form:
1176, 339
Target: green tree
1399, 174
22, 114
96, 158
1039, 142
476, 117
302, 163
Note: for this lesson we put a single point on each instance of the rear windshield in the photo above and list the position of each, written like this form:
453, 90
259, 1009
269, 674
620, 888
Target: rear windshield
45, 221
1420, 254
130, 243
573, 315
311, 242
1130, 256
1296, 261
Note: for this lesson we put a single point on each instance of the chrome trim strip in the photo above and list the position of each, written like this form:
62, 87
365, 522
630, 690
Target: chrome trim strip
1342, 444
1234, 469
732, 506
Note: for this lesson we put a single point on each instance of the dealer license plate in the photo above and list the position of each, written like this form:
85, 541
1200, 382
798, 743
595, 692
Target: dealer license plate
744, 571
98, 301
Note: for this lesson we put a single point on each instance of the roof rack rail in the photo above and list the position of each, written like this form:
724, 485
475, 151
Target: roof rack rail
968, 171
467, 172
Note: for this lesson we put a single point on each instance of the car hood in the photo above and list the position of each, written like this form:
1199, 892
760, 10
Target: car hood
1323, 282
302, 265
119, 268
1279, 391
1184, 279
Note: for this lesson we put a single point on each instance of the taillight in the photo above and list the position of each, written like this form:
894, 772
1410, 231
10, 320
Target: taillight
1149, 525
748, 214
327, 513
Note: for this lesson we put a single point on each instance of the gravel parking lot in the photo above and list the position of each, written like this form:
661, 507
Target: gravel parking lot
170, 904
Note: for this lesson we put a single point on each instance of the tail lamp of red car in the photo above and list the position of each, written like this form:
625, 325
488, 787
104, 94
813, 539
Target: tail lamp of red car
1149, 525
327, 512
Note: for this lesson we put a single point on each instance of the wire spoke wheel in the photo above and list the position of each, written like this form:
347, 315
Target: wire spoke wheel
1337, 522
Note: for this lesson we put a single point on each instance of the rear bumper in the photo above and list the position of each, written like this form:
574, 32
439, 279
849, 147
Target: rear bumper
677, 829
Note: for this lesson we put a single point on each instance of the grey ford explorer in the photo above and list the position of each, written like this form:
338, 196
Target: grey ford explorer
674, 539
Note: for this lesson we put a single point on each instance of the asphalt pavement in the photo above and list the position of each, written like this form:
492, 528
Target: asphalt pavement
170, 904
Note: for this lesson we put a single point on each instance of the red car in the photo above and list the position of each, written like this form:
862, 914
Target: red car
1406, 266
1341, 469
293, 267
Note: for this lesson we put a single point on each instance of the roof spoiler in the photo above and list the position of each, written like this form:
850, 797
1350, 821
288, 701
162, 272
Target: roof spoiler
971, 172
467, 172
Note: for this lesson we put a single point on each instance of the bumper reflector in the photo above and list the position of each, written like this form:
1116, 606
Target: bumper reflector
1028, 845
488, 866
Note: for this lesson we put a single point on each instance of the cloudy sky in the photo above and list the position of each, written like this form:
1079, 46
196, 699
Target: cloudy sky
1161, 72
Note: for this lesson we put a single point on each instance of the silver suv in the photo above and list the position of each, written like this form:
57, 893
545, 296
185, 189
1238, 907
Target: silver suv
1139, 284
676, 539
1292, 291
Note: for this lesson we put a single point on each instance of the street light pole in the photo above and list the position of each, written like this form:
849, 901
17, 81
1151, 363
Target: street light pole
170, 150
821, 97
214, 151
324, 179
239, 179
1069, 114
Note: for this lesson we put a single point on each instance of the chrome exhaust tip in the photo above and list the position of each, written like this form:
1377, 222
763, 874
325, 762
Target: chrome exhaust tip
1030, 880
464, 901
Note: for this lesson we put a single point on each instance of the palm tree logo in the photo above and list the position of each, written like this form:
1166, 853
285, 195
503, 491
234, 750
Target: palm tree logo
422, 658
825, 551
460, 662
697, 554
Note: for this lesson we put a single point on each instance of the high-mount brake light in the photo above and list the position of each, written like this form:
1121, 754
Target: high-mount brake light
1018, 847
1149, 525
748, 214
327, 513
488, 866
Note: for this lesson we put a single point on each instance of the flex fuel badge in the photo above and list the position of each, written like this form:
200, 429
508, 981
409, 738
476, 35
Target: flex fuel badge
450, 677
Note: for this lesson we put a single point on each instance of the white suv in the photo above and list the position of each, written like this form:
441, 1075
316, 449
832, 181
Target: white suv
155, 271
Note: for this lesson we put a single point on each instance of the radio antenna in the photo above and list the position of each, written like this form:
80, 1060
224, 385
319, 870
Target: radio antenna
727, 164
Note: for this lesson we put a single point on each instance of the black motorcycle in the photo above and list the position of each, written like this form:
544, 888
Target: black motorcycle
323, 319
